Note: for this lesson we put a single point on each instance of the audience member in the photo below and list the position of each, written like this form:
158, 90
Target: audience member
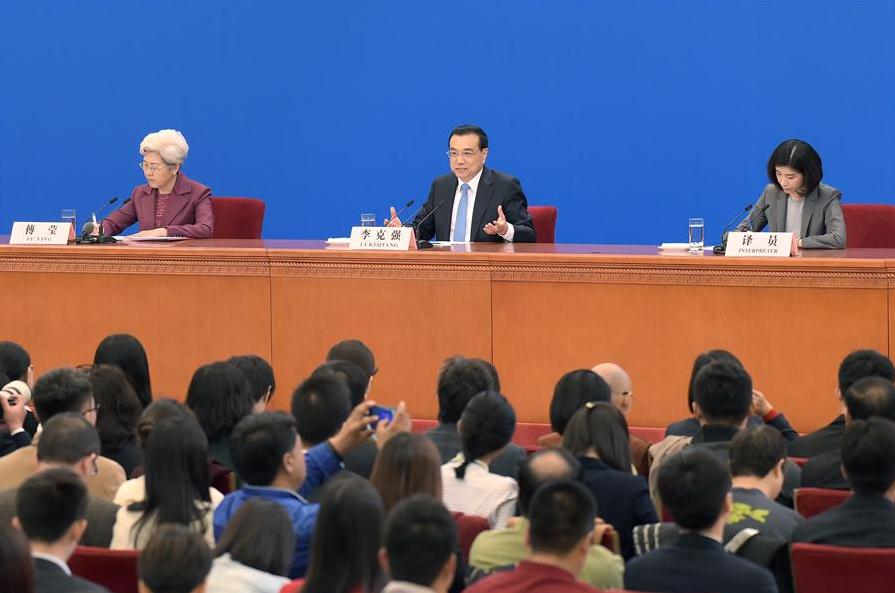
623, 398
16, 565
572, 391
458, 381
255, 550
469, 487
408, 464
14, 397
176, 560
57, 391
598, 436
50, 510
695, 488
126, 352
174, 488
261, 380
499, 548
419, 551
15, 365
866, 519
562, 514
854, 367
117, 414
357, 352
320, 405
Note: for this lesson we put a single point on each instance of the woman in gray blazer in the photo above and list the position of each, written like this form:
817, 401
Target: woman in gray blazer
796, 201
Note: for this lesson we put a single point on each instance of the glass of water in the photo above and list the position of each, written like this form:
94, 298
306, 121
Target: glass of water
69, 215
696, 229
368, 219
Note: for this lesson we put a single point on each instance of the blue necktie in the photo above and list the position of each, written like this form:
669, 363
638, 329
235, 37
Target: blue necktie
460, 223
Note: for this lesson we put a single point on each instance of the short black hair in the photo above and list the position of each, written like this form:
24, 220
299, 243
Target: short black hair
354, 351
220, 396
798, 155
561, 513
60, 390
175, 560
863, 363
871, 396
258, 444
458, 381
487, 424
420, 537
492, 372
601, 427
530, 478
867, 458
259, 373
693, 485
572, 391
356, 378
466, 129
320, 405
14, 361
756, 452
49, 503
723, 391
127, 353
259, 535
67, 438
703, 359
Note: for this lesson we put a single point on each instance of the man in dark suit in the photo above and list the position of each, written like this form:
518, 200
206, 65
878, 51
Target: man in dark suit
474, 203
695, 488
51, 510
866, 519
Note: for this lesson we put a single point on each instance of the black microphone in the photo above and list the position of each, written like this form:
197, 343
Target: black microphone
90, 225
398, 213
732, 220
722, 248
423, 244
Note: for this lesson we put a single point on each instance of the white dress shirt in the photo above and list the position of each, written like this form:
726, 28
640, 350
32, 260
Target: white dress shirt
479, 492
470, 206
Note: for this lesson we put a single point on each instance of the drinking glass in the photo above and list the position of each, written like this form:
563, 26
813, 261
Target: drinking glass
69, 215
368, 219
696, 230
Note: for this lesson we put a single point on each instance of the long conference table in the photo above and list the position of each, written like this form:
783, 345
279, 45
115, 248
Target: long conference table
534, 310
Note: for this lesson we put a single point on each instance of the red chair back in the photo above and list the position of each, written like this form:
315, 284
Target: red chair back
800, 461
421, 425
814, 501
610, 540
544, 218
833, 569
647, 433
869, 225
237, 218
528, 433
468, 527
116, 570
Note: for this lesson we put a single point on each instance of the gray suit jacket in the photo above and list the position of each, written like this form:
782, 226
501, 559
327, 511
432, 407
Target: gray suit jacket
823, 225
100, 518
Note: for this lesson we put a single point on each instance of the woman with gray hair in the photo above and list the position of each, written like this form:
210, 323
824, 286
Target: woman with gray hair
170, 204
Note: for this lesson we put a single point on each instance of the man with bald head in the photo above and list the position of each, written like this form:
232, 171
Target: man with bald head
623, 398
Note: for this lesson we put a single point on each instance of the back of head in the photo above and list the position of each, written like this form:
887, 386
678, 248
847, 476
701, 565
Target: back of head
492, 372
704, 358
693, 485
176, 560
67, 438
356, 378
408, 464
346, 538
260, 536
560, 515
756, 452
420, 537
572, 391
863, 363
354, 351
61, 390
458, 381
220, 396
600, 428
119, 408
17, 574
320, 405
14, 361
723, 391
867, 455
487, 425
126, 352
159, 411
542, 467
49, 503
259, 373
258, 444
870, 396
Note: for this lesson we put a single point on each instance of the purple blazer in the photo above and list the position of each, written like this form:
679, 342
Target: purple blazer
188, 213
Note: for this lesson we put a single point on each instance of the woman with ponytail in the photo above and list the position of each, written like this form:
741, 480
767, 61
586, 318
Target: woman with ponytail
485, 428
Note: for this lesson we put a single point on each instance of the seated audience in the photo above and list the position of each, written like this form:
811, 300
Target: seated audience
469, 487
866, 519
260, 375
357, 352
126, 352
15, 365
420, 543
57, 391
68, 441
598, 436
117, 414
868, 397
16, 565
174, 488
854, 367
14, 413
458, 381
623, 398
176, 560
320, 405
255, 550
499, 548
757, 458
695, 488
51, 511
561, 524
572, 391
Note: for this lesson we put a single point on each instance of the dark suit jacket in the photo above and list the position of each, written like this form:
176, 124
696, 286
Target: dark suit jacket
100, 518
823, 440
825, 471
861, 521
823, 225
360, 460
188, 213
494, 188
447, 440
50, 578
696, 564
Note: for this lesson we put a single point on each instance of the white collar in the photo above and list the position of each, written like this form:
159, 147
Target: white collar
54, 559
473, 183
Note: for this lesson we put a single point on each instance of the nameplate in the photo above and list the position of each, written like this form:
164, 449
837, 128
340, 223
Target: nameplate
382, 238
40, 233
759, 244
